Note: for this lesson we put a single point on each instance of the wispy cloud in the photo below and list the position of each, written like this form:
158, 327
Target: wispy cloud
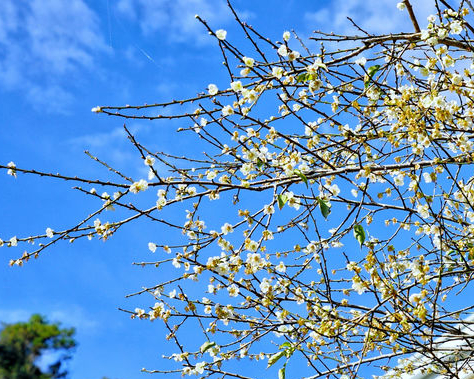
43, 43
375, 16
100, 140
75, 316
175, 19
112, 146
115, 148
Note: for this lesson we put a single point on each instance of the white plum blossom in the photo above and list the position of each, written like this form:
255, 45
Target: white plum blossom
249, 62
292, 55
427, 177
152, 247
245, 71
311, 247
425, 34
140, 312
211, 175
246, 168
277, 72
268, 209
221, 34
176, 263
442, 33
358, 285
212, 89
426, 101
361, 61
227, 110
265, 285
283, 51
49, 233
423, 210
227, 228
236, 86
292, 201
448, 61
286, 36
401, 5
415, 298
399, 180
149, 160
151, 174
11, 169
455, 27
161, 202
251, 245
334, 189
141, 185
199, 369
233, 290
280, 267
161, 193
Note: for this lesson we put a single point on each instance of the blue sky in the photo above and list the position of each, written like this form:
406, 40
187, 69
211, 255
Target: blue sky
58, 59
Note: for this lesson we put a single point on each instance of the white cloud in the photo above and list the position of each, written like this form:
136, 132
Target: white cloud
101, 140
112, 146
115, 148
175, 19
76, 317
43, 43
374, 16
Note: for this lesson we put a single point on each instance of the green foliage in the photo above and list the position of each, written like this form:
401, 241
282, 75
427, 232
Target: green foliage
23, 343
359, 234
282, 199
302, 176
305, 77
325, 207
206, 346
286, 350
370, 74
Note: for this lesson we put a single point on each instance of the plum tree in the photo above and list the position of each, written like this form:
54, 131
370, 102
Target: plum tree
344, 187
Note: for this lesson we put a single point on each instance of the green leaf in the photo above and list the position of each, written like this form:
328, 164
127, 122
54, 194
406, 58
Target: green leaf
281, 373
289, 352
373, 69
260, 163
282, 199
359, 234
302, 176
275, 357
303, 77
470, 255
325, 207
206, 346
285, 344
370, 74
